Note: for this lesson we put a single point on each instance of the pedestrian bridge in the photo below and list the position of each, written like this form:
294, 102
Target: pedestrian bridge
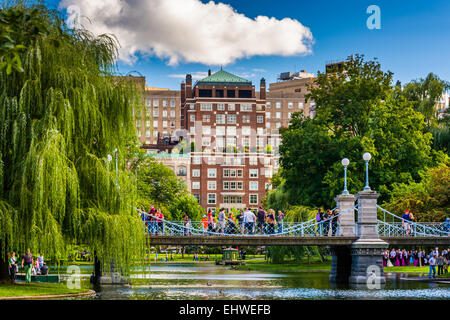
391, 229
356, 237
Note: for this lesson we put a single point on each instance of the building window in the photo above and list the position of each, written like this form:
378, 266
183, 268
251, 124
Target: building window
172, 103
231, 119
155, 124
253, 173
260, 119
196, 160
164, 103
206, 106
197, 196
220, 142
240, 173
206, 118
211, 185
246, 107
246, 142
246, 131
226, 173
246, 118
172, 125
206, 130
231, 141
211, 198
206, 141
147, 133
172, 113
195, 184
278, 115
155, 113
290, 105
182, 171
221, 107
278, 105
253, 161
268, 104
268, 115
259, 131
148, 102
155, 103
232, 199
278, 125
164, 113
212, 173
164, 124
196, 173
268, 125
231, 107
300, 105
253, 199
220, 119
192, 117
192, 106
231, 131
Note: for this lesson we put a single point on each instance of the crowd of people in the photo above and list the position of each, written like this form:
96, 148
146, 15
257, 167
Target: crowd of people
31, 265
418, 258
154, 221
328, 222
244, 222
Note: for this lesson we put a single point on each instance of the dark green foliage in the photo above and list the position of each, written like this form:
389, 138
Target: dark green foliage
61, 114
158, 185
357, 111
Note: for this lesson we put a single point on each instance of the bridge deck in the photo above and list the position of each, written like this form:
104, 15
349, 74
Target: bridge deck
288, 241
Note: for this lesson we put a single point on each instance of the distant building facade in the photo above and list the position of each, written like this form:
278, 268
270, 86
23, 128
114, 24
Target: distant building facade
230, 133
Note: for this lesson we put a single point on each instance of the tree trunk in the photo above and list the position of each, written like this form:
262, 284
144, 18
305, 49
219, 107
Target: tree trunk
97, 270
4, 276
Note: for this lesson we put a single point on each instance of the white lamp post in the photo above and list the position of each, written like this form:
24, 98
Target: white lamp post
367, 156
345, 162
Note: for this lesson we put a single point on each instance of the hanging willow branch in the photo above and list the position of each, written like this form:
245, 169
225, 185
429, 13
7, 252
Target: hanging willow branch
59, 119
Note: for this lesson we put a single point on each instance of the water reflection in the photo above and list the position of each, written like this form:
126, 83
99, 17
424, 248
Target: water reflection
197, 282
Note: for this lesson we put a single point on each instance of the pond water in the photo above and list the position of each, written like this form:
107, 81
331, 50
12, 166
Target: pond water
208, 281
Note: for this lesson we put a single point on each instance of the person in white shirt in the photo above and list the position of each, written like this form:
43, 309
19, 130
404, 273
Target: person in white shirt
249, 221
432, 263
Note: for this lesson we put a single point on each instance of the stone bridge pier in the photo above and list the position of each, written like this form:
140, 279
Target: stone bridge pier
360, 263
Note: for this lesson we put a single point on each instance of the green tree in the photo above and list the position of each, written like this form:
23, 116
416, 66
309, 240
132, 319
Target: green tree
62, 113
357, 111
427, 199
425, 93
158, 185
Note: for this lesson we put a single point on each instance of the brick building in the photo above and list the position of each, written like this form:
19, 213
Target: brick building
224, 121
231, 132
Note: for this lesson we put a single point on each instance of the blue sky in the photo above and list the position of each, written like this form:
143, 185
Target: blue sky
413, 40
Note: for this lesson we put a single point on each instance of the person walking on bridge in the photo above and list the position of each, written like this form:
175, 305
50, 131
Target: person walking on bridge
262, 215
249, 221
280, 219
405, 222
334, 222
326, 222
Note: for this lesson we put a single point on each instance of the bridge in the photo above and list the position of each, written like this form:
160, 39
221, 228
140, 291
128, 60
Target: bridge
356, 242
289, 241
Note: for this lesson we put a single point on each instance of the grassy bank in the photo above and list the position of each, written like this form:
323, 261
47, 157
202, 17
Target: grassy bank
36, 289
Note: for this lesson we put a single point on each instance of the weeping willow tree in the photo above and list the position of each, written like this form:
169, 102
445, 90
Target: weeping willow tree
62, 111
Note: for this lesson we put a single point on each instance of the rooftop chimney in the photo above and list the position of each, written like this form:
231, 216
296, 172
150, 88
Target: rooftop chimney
209, 72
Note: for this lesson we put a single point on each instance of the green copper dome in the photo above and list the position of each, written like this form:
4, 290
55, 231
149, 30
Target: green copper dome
223, 77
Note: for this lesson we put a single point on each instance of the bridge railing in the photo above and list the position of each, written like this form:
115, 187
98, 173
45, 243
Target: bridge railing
398, 227
328, 227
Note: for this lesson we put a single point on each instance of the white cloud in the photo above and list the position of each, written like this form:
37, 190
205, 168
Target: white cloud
190, 31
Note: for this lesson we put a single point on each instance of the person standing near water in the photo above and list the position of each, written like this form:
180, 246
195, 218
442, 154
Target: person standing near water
27, 263
432, 263
12, 266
